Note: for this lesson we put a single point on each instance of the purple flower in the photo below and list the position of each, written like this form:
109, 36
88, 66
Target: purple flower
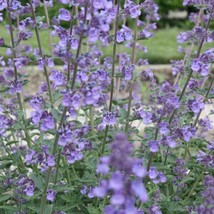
57, 77
3, 4
47, 122
29, 156
51, 195
128, 72
29, 190
122, 186
64, 14
170, 141
145, 116
1, 42
124, 34
163, 128
109, 119
132, 9
51, 160
196, 65
103, 166
37, 103
153, 146
195, 105
140, 190
153, 173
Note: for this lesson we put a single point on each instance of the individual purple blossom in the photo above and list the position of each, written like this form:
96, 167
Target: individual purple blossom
153, 173
57, 77
145, 116
3, 4
1, 42
154, 146
147, 75
128, 72
195, 105
37, 102
71, 99
188, 132
66, 135
124, 34
171, 142
177, 66
64, 14
25, 35
25, 185
84, 189
51, 160
51, 194
47, 122
182, 37
29, 190
200, 67
109, 119
21, 62
103, 166
132, 9
15, 87
5, 123
29, 156
205, 124
163, 128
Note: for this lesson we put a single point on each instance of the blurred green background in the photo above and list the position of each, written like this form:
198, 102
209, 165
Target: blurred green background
162, 47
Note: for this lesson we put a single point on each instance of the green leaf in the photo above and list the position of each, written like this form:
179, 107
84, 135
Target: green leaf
123, 113
38, 180
55, 114
7, 207
93, 210
5, 197
48, 209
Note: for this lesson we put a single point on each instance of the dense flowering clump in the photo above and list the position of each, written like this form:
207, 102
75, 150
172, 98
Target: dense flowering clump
86, 126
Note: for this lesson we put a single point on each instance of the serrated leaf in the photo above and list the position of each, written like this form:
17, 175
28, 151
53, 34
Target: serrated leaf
7, 207
38, 180
5, 197
55, 114
48, 209
123, 113
93, 210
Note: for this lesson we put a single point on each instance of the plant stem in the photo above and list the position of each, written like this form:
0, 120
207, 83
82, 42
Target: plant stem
78, 50
92, 119
156, 136
41, 52
48, 23
132, 81
112, 75
195, 185
43, 199
19, 98
205, 97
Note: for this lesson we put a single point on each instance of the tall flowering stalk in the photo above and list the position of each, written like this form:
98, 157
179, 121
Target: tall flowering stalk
78, 149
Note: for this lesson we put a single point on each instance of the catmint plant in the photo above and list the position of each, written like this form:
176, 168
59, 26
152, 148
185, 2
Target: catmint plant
72, 145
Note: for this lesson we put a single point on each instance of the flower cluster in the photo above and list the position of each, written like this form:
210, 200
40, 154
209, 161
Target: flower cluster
121, 167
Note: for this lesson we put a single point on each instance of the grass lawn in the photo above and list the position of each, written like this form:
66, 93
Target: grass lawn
161, 48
